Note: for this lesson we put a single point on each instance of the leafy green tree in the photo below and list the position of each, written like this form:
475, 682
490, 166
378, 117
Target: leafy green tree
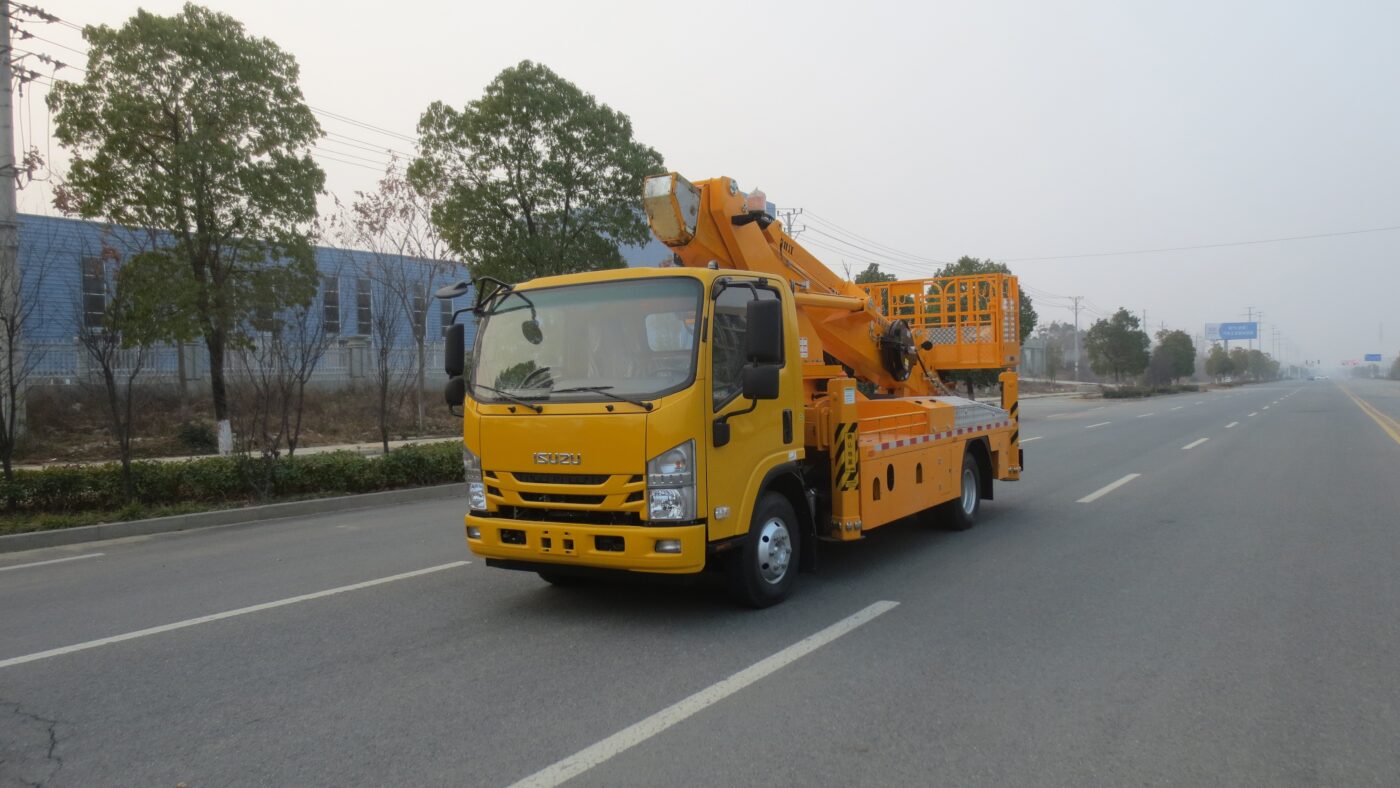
1117, 346
1178, 354
968, 266
1218, 363
872, 274
1054, 359
192, 127
1239, 361
536, 177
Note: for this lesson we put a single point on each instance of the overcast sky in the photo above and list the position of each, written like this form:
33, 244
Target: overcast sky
1003, 130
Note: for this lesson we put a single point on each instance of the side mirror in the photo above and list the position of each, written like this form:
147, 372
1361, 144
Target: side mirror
764, 344
454, 353
760, 382
456, 391
453, 290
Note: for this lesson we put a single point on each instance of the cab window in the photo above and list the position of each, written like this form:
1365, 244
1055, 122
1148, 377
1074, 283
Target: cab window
730, 336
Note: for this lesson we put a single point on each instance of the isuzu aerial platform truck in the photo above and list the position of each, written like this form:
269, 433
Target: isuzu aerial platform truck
707, 415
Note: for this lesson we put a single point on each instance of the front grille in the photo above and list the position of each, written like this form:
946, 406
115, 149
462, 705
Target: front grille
561, 478
590, 500
581, 516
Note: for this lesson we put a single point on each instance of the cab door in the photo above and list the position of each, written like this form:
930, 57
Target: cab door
758, 440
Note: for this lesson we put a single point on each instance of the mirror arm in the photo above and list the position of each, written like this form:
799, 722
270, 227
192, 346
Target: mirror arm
753, 405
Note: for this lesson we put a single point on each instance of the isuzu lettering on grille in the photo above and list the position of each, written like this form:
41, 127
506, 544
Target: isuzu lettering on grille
557, 458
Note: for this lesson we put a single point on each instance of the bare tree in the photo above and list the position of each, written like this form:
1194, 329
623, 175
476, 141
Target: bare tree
302, 343
20, 314
394, 223
115, 352
393, 378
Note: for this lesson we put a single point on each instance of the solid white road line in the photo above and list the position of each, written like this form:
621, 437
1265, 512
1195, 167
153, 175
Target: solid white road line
1106, 489
1178, 407
1145, 415
54, 561
1255, 413
1028, 440
1193, 444
1100, 424
190, 622
1231, 424
631, 736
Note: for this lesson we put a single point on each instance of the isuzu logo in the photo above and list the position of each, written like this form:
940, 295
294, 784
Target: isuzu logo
557, 458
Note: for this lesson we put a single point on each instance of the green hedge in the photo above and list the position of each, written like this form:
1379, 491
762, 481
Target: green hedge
76, 488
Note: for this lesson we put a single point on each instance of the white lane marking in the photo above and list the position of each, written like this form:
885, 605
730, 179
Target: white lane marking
1100, 424
190, 622
1106, 489
1199, 402
1231, 424
1193, 444
1145, 415
1178, 407
1101, 407
54, 561
1028, 440
635, 734
1266, 407
1255, 413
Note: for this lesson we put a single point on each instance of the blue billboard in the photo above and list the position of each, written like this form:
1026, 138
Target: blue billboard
1230, 331
1373, 356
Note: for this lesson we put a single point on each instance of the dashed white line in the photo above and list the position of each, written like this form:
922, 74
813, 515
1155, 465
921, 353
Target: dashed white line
1108, 488
1178, 407
1100, 424
1193, 444
1231, 424
1028, 440
1199, 402
190, 622
1266, 407
54, 561
635, 734
1255, 413
1145, 415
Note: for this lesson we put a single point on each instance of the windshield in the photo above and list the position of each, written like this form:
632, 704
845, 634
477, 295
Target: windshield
630, 339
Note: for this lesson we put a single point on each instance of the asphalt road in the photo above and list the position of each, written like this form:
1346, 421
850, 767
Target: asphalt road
1225, 617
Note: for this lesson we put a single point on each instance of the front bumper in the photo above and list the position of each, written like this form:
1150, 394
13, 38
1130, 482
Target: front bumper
621, 547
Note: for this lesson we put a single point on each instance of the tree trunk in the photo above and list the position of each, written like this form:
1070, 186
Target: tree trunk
215, 341
422, 378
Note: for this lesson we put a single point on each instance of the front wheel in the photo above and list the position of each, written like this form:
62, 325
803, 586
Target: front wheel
764, 571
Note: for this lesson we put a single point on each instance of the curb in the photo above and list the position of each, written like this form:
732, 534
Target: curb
13, 543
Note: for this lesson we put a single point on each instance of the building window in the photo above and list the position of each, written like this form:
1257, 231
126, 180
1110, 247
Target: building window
330, 304
364, 306
445, 315
94, 292
420, 309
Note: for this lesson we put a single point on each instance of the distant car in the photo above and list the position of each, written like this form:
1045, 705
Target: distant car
1310, 377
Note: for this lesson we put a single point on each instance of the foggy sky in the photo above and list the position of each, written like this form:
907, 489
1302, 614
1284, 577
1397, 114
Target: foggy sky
1002, 130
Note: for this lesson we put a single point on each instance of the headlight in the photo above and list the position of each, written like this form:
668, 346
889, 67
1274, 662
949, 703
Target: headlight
476, 487
671, 484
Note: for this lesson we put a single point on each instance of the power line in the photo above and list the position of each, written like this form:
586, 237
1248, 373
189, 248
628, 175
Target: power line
889, 250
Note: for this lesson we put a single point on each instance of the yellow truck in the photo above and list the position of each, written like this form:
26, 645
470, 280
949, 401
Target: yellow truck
706, 416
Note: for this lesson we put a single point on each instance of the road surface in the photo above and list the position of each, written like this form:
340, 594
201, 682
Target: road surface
1187, 590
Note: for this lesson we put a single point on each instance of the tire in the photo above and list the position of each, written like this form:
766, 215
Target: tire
764, 571
960, 513
561, 579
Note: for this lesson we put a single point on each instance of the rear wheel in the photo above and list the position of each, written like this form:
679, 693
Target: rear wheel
960, 513
764, 571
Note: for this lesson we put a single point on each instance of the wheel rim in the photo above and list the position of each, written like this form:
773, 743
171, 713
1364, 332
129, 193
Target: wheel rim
969, 492
774, 551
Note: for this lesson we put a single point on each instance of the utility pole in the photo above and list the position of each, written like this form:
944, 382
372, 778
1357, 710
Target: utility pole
1249, 317
9, 225
1077, 374
788, 218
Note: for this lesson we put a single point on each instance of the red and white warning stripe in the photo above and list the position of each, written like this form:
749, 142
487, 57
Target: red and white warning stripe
938, 436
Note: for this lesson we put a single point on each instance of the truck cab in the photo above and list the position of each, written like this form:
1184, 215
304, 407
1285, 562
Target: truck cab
609, 425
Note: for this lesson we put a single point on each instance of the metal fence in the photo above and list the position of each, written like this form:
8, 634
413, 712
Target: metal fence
346, 362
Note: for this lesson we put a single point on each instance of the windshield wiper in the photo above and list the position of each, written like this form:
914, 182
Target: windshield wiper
509, 396
605, 391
